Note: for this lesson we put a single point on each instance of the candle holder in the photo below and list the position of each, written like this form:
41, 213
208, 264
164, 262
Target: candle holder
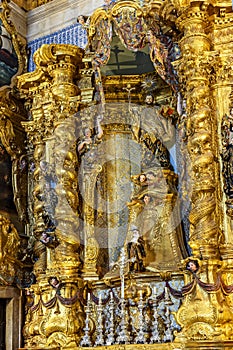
155, 324
86, 339
168, 334
99, 341
111, 338
140, 338
123, 337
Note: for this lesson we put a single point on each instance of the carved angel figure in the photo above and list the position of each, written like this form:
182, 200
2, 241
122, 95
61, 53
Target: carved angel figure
88, 140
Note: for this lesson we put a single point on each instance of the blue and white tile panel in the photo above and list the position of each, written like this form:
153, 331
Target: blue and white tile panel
74, 34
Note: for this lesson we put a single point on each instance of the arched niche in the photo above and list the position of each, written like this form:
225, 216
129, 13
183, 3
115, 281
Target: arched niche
134, 51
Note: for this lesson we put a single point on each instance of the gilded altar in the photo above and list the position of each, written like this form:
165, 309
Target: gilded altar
124, 185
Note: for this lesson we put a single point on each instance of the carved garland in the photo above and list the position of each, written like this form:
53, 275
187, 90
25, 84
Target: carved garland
135, 29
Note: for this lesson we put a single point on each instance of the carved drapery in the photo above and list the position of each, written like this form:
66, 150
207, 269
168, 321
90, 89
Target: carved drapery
117, 168
135, 26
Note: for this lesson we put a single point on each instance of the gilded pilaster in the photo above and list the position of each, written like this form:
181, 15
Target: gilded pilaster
53, 99
220, 34
202, 314
194, 70
222, 82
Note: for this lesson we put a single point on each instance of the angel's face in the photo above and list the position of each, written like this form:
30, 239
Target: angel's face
142, 178
87, 133
81, 20
147, 199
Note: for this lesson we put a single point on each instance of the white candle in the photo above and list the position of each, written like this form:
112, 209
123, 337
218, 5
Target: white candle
88, 296
100, 300
154, 291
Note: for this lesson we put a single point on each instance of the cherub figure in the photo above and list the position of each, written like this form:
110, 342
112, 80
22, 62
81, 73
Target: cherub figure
142, 179
84, 21
151, 178
81, 20
192, 266
139, 184
88, 140
47, 240
54, 282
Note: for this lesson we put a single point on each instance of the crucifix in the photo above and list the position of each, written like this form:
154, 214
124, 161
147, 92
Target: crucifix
129, 89
116, 51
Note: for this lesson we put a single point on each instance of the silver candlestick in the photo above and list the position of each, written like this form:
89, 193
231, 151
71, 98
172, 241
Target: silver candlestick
168, 334
111, 338
86, 339
99, 341
123, 337
140, 338
154, 329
